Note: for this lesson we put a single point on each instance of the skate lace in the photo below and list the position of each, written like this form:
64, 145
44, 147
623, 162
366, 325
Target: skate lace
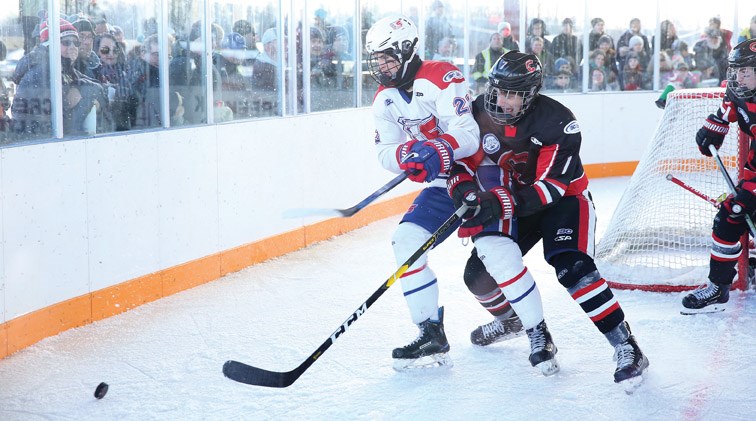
625, 355
537, 340
706, 293
493, 328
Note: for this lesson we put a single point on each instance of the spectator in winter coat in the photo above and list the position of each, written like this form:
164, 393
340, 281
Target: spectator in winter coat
88, 60
32, 104
537, 28
507, 39
485, 59
711, 56
566, 44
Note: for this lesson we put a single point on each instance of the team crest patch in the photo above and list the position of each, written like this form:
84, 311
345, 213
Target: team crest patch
491, 143
453, 75
572, 127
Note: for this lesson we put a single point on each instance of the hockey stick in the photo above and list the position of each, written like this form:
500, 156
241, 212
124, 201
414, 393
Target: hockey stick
684, 185
303, 212
731, 185
248, 374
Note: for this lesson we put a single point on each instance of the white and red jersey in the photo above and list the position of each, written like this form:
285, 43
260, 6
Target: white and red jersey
438, 105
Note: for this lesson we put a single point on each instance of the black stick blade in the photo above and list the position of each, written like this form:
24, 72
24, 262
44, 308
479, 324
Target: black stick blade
247, 374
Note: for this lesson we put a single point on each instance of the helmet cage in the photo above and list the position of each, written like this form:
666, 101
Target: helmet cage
736, 88
393, 75
498, 114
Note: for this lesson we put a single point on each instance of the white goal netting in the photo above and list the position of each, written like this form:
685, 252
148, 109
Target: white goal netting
659, 236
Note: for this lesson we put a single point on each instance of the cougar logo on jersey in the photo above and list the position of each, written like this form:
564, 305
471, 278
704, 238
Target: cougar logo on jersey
421, 129
572, 127
491, 143
453, 75
536, 141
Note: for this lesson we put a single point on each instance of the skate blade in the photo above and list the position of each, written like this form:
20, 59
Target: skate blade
632, 384
713, 308
501, 338
548, 367
429, 361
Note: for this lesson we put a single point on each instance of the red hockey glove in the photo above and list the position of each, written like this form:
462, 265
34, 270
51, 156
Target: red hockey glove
425, 161
713, 132
493, 205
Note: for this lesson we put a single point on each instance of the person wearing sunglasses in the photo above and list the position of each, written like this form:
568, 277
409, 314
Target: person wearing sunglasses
32, 105
114, 76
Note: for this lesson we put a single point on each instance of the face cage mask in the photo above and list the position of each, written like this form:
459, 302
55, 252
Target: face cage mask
740, 90
496, 113
382, 78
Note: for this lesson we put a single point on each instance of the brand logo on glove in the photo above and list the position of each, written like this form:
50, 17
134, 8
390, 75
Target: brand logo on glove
491, 143
564, 231
536, 141
472, 196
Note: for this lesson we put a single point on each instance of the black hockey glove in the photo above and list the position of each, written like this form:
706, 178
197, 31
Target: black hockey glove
713, 132
458, 186
490, 206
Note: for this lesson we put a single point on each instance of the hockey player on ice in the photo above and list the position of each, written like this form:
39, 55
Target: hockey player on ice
738, 104
423, 123
528, 184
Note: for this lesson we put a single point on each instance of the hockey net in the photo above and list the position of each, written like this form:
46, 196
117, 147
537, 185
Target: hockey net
659, 236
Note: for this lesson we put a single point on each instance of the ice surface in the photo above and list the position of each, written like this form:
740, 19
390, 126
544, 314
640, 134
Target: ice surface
163, 360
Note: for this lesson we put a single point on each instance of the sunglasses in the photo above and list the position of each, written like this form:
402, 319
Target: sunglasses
70, 42
108, 50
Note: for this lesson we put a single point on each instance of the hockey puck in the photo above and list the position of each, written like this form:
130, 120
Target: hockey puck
101, 391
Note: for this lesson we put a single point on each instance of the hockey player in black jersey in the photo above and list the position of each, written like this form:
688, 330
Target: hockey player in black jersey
738, 104
526, 184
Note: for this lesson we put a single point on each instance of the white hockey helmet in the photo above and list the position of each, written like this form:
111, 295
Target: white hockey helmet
395, 36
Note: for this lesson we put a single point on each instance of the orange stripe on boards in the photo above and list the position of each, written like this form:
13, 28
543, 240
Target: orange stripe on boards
611, 169
29, 329
3, 340
119, 298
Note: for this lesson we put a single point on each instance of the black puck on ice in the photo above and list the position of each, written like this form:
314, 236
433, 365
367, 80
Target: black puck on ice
101, 390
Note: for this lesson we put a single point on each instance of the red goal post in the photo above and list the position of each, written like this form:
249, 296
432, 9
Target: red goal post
659, 236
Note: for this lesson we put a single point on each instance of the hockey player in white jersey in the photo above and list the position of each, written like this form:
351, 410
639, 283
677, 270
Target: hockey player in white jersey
423, 124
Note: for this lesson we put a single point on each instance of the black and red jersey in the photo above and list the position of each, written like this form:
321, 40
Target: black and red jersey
540, 152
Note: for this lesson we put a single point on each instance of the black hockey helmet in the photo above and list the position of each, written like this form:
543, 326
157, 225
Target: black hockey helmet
514, 73
742, 56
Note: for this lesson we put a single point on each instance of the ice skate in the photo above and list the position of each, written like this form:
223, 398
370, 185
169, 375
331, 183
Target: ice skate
709, 298
497, 330
542, 349
631, 364
428, 350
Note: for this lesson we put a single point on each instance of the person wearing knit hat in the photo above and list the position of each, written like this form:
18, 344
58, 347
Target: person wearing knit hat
88, 61
66, 30
80, 95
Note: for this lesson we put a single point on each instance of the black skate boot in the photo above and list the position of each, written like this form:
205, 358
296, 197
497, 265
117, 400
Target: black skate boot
542, 349
497, 330
428, 350
631, 363
709, 298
